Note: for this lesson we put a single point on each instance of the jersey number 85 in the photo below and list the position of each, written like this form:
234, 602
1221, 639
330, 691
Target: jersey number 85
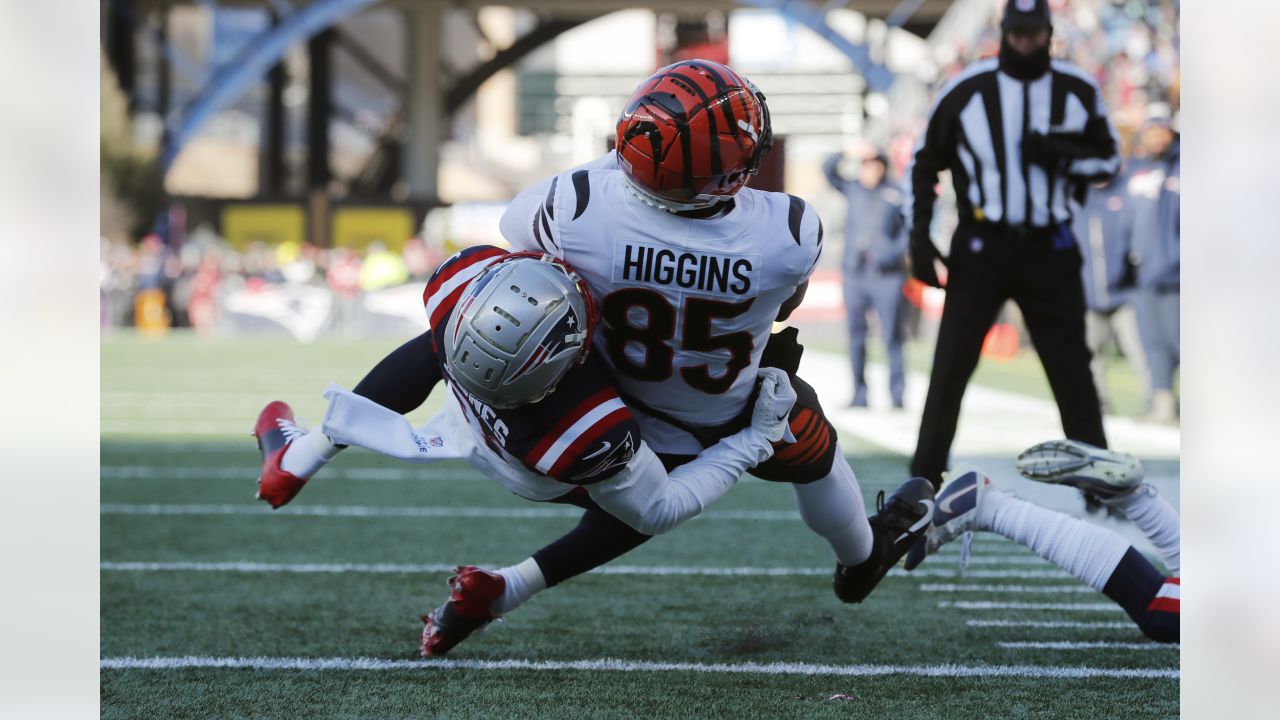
656, 334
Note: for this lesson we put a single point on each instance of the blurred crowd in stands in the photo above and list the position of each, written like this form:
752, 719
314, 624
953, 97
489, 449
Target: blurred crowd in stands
151, 285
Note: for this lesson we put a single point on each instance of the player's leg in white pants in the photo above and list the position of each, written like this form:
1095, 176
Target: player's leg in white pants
834, 508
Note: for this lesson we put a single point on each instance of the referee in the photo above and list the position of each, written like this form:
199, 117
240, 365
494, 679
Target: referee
1021, 135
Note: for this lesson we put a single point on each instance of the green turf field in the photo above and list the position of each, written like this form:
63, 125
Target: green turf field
313, 610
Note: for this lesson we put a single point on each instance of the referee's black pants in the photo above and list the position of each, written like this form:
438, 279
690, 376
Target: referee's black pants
1040, 271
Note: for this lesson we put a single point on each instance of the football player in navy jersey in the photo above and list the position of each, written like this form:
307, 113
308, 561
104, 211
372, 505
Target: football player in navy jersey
531, 408
1097, 556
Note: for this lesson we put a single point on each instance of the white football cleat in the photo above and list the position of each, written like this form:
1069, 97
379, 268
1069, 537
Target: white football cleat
963, 496
1105, 474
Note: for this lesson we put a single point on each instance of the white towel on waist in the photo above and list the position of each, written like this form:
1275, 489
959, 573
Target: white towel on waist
355, 420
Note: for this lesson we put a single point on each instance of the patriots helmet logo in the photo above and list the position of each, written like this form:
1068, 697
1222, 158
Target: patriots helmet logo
566, 334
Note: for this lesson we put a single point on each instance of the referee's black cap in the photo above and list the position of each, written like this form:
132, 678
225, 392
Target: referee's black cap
1026, 15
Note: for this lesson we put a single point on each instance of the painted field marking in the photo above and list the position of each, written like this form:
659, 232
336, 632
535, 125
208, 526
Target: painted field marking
1070, 607
1047, 624
431, 511
631, 666
1001, 560
643, 570
1048, 645
249, 474
1045, 589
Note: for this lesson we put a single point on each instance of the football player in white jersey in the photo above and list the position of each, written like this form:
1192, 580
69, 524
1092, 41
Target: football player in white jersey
533, 408
692, 268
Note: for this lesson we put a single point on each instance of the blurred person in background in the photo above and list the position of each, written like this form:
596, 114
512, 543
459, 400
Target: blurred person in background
181, 268
150, 304
874, 266
343, 277
418, 259
203, 308
116, 283
1102, 226
297, 262
1155, 194
1020, 134
382, 269
260, 265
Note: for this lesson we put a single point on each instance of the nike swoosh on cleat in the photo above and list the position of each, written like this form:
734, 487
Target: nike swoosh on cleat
928, 515
945, 504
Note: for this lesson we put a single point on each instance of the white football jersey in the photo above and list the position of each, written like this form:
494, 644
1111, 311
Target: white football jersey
686, 305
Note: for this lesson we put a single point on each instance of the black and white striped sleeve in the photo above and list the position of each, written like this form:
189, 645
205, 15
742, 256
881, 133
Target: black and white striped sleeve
934, 150
1103, 161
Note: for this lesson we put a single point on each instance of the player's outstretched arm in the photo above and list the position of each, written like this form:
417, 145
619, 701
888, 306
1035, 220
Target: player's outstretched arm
653, 501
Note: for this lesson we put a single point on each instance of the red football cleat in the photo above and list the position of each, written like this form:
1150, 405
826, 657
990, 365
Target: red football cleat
473, 592
275, 486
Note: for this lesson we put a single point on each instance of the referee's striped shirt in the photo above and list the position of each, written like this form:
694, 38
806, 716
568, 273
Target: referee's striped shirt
976, 128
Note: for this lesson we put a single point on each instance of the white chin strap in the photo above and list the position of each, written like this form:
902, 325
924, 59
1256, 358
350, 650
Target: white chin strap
671, 206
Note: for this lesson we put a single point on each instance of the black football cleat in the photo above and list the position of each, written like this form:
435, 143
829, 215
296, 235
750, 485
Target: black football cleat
899, 523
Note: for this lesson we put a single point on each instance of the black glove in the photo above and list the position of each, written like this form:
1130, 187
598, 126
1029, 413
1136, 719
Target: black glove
923, 252
1048, 151
783, 350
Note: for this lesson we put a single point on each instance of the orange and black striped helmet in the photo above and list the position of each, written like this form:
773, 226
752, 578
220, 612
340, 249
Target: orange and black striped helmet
692, 134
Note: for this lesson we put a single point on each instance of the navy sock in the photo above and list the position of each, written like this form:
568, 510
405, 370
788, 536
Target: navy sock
598, 538
1133, 586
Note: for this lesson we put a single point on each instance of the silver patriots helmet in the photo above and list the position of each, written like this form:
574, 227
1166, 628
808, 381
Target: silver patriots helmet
517, 330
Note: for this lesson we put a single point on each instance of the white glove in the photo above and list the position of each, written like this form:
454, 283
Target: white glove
769, 417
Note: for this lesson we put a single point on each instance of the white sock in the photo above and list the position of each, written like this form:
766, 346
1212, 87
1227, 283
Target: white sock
523, 582
307, 454
833, 507
1087, 551
1155, 517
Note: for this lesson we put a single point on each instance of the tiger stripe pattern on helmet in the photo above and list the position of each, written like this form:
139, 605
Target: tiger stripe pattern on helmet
693, 132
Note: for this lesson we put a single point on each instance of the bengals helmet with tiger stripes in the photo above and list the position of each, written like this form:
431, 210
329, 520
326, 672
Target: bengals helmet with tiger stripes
692, 134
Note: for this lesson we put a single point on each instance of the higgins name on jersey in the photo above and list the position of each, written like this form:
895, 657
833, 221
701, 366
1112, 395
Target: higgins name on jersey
705, 272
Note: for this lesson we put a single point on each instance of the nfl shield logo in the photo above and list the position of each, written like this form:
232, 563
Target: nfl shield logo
1025, 5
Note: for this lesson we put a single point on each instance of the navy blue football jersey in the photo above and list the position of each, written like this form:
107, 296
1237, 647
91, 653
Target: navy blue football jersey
579, 434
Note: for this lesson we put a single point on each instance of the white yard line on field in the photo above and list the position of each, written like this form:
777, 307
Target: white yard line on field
1072, 607
632, 666
1040, 589
439, 511
1045, 624
1088, 645
248, 474
660, 570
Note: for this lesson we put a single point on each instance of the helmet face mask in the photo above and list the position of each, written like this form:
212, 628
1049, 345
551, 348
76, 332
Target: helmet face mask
692, 135
517, 329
